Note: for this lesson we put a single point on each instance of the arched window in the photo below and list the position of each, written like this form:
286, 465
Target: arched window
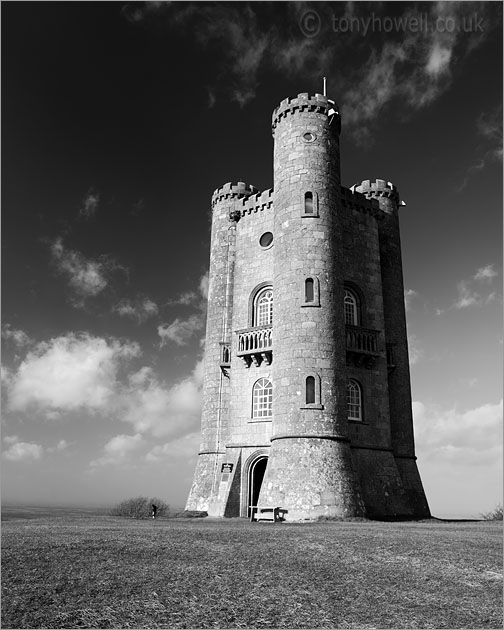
262, 398
351, 308
310, 390
309, 290
308, 203
263, 307
354, 401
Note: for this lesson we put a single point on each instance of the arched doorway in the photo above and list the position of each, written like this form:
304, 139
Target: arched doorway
255, 479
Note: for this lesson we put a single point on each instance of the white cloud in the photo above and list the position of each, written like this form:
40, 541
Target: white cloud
10, 439
466, 296
23, 451
151, 407
141, 310
90, 204
489, 130
6, 376
439, 59
203, 285
414, 65
409, 296
244, 44
81, 372
197, 298
486, 273
185, 448
415, 350
18, 337
469, 294
489, 126
86, 277
472, 437
62, 445
69, 372
185, 299
180, 331
118, 450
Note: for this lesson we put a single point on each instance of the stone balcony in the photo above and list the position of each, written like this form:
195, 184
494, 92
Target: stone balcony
362, 346
255, 345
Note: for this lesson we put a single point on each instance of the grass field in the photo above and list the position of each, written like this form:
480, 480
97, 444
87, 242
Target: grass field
82, 570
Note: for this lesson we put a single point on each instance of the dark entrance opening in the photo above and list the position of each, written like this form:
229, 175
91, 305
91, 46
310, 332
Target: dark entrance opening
256, 476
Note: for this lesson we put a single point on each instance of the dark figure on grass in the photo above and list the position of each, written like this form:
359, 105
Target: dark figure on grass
154, 510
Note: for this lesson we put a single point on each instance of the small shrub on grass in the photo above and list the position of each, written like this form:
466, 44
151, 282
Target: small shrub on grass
494, 515
140, 507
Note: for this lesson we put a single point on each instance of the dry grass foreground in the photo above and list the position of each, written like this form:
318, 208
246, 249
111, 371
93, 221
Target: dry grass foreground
85, 571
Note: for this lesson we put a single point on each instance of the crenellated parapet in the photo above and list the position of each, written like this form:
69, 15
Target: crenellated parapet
354, 200
258, 202
376, 189
240, 190
305, 102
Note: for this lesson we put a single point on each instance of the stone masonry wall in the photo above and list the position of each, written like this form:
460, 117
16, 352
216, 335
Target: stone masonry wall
310, 466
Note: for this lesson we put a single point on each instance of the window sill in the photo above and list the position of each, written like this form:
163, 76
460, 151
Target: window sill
254, 420
312, 406
312, 304
310, 215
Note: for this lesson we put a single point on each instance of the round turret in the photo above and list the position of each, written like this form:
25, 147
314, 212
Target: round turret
305, 102
385, 192
309, 470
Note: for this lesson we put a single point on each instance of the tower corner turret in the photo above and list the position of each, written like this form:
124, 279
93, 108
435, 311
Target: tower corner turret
383, 191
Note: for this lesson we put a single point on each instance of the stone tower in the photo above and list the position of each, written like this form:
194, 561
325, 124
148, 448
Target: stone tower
307, 401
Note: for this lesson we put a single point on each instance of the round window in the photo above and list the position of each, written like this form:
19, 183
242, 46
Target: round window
266, 239
309, 137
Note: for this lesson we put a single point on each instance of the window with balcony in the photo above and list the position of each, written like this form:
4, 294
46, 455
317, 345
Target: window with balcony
363, 345
263, 308
262, 399
352, 308
354, 401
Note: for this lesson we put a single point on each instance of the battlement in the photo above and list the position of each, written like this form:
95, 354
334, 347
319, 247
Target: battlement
355, 200
303, 102
375, 189
258, 202
239, 190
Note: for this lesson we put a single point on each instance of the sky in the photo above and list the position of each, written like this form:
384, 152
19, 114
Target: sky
120, 119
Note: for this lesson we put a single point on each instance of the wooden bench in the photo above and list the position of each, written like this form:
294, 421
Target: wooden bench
265, 513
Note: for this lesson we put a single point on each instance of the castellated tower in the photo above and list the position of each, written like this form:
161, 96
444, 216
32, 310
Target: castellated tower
307, 401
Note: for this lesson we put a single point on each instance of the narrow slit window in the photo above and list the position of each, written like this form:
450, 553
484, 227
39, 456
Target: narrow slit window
310, 390
309, 290
308, 203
